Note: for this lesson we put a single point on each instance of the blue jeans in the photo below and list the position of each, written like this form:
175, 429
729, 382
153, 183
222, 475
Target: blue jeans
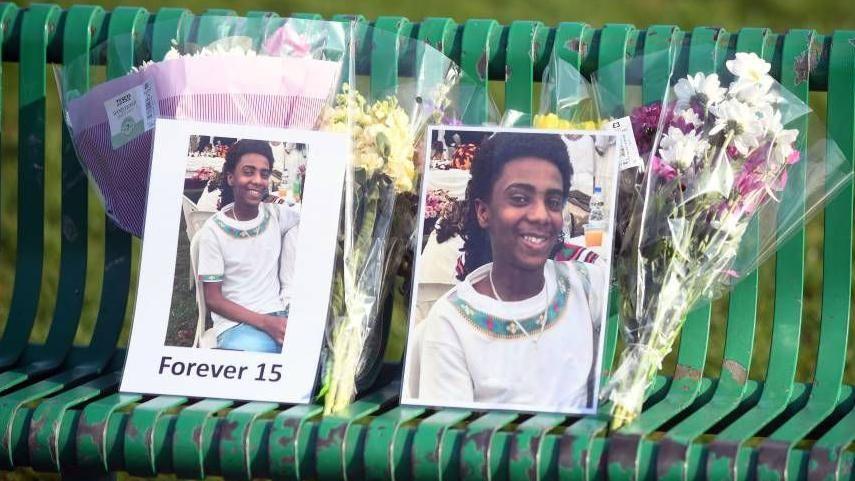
244, 337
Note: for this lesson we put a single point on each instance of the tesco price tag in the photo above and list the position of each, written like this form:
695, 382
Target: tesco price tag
131, 113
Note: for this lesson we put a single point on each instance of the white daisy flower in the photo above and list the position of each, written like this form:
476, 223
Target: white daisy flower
679, 150
705, 89
737, 119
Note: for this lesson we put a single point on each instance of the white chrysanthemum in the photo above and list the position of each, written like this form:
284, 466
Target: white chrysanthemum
783, 147
705, 89
748, 67
690, 117
679, 150
737, 120
753, 83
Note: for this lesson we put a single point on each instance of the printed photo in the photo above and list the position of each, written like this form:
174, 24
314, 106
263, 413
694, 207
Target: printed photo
511, 283
240, 213
237, 261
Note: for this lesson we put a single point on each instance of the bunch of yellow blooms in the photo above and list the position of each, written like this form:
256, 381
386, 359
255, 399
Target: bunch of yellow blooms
552, 121
382, 138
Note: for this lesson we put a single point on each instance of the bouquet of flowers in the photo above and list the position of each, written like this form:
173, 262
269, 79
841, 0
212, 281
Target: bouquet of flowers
272, 72
379, 213
722, 153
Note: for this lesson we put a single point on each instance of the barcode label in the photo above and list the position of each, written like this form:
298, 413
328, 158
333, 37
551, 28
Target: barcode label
627, 149
151, 107
132, 113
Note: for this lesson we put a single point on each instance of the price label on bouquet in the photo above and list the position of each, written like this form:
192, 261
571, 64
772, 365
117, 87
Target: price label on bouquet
237, 262
627, 148
131, 113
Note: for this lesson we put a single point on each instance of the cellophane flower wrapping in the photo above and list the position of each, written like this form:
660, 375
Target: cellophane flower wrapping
723, 163
273, 72
387, 122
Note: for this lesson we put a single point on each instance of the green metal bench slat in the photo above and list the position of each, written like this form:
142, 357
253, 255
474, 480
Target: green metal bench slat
480, 46
169, 24
778, 387
661, 45
292, 437
837, 280
525, 458
826, 455
193, 438
45, 448
82, 27
129, 24
259, 25
214, 24
439, 33
43, 358
99, 431
525, 48
678, 453
333, 455
480, 453
380, 458
571, 44
38, 26
11, 409
236, 453
434, 455
142, 433
385, 54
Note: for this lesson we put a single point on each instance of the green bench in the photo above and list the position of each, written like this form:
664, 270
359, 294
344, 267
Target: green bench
59, 406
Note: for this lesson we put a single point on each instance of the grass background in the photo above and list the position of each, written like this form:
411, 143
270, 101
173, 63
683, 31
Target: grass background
780, 15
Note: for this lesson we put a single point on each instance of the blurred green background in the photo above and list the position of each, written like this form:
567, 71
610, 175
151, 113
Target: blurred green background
780, 15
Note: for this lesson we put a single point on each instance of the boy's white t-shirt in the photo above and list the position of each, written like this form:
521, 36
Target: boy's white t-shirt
470, 353
244, 256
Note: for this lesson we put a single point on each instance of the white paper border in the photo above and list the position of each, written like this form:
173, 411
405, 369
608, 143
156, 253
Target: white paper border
321, 206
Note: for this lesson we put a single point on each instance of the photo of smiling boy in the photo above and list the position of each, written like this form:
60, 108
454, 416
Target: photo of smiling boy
239, 251
521, 330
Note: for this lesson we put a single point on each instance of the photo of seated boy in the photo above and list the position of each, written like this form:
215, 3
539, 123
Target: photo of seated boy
246, 254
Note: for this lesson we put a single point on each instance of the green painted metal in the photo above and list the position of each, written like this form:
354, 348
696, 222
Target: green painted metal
728, 454
52, 433
525, 456
434, 451
481, 453
831, 358
215, 24
291, 443
192, 441
438, 33
480, 46
142, 433
127, 24
99, 431
236, 453
38, 27
333, 457
43, 358
47, 452
525, 48
170, 24
381, 459
386, 54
